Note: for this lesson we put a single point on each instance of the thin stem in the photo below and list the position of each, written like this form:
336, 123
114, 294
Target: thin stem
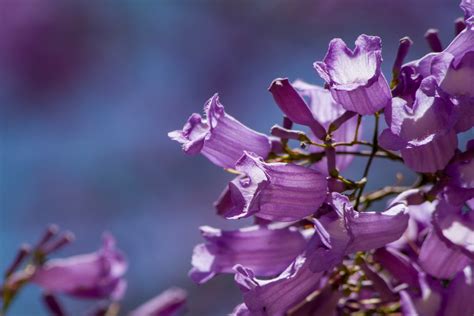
371, 158
382, 193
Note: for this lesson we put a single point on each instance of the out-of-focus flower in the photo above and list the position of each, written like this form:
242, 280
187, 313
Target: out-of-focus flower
219, 137
169, 303
272, 191
355, 77
94, 275
424, 131
265, 250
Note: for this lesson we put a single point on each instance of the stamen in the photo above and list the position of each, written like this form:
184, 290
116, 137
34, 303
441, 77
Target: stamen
432, 37
22, 253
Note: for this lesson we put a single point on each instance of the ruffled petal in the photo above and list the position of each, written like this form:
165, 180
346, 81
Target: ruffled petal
354, 77
219, 137
265, 250
458, 300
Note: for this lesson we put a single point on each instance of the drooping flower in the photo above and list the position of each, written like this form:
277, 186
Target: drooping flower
219, 137
272, 191
169, 303
340, 230
354, 77
94, 275
424, 131
267, 250
276, 296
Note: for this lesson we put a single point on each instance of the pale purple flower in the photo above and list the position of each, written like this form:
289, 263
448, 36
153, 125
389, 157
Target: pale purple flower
451, 239
424, 131
265, 250
219, 136
340, 230
355, 77
272, 191
169, 303
94, 275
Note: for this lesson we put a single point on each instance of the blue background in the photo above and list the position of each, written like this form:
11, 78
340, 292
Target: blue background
89, 90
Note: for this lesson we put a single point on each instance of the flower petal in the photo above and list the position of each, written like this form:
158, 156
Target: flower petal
219, 137
273, 191
265, 250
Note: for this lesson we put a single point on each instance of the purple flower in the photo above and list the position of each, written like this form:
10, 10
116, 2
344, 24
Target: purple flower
276, 296
340, 230
272, 191
94, 275
265, 250
294, 107
452, 70
451, 239
219, 137
423, 131
355, 77
170, 302
454, 299
326, 110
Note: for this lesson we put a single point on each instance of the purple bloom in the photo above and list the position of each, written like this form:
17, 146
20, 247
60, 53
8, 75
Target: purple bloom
452, 70
219, 137
294, 107
272, 191
276, 296
340, 230
94, 275
265, 250
327, 110
423, 131
451, 239
355, 77
170, 302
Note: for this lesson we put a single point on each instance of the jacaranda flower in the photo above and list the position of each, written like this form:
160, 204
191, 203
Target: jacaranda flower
265, 250
219, 136
95, 275
272, 191
355, 77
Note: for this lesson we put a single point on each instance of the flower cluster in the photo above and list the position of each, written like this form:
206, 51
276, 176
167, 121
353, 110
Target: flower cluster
93, 276
315, 247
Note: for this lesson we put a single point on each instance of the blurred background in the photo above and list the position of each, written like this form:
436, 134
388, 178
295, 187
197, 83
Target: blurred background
89, 90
